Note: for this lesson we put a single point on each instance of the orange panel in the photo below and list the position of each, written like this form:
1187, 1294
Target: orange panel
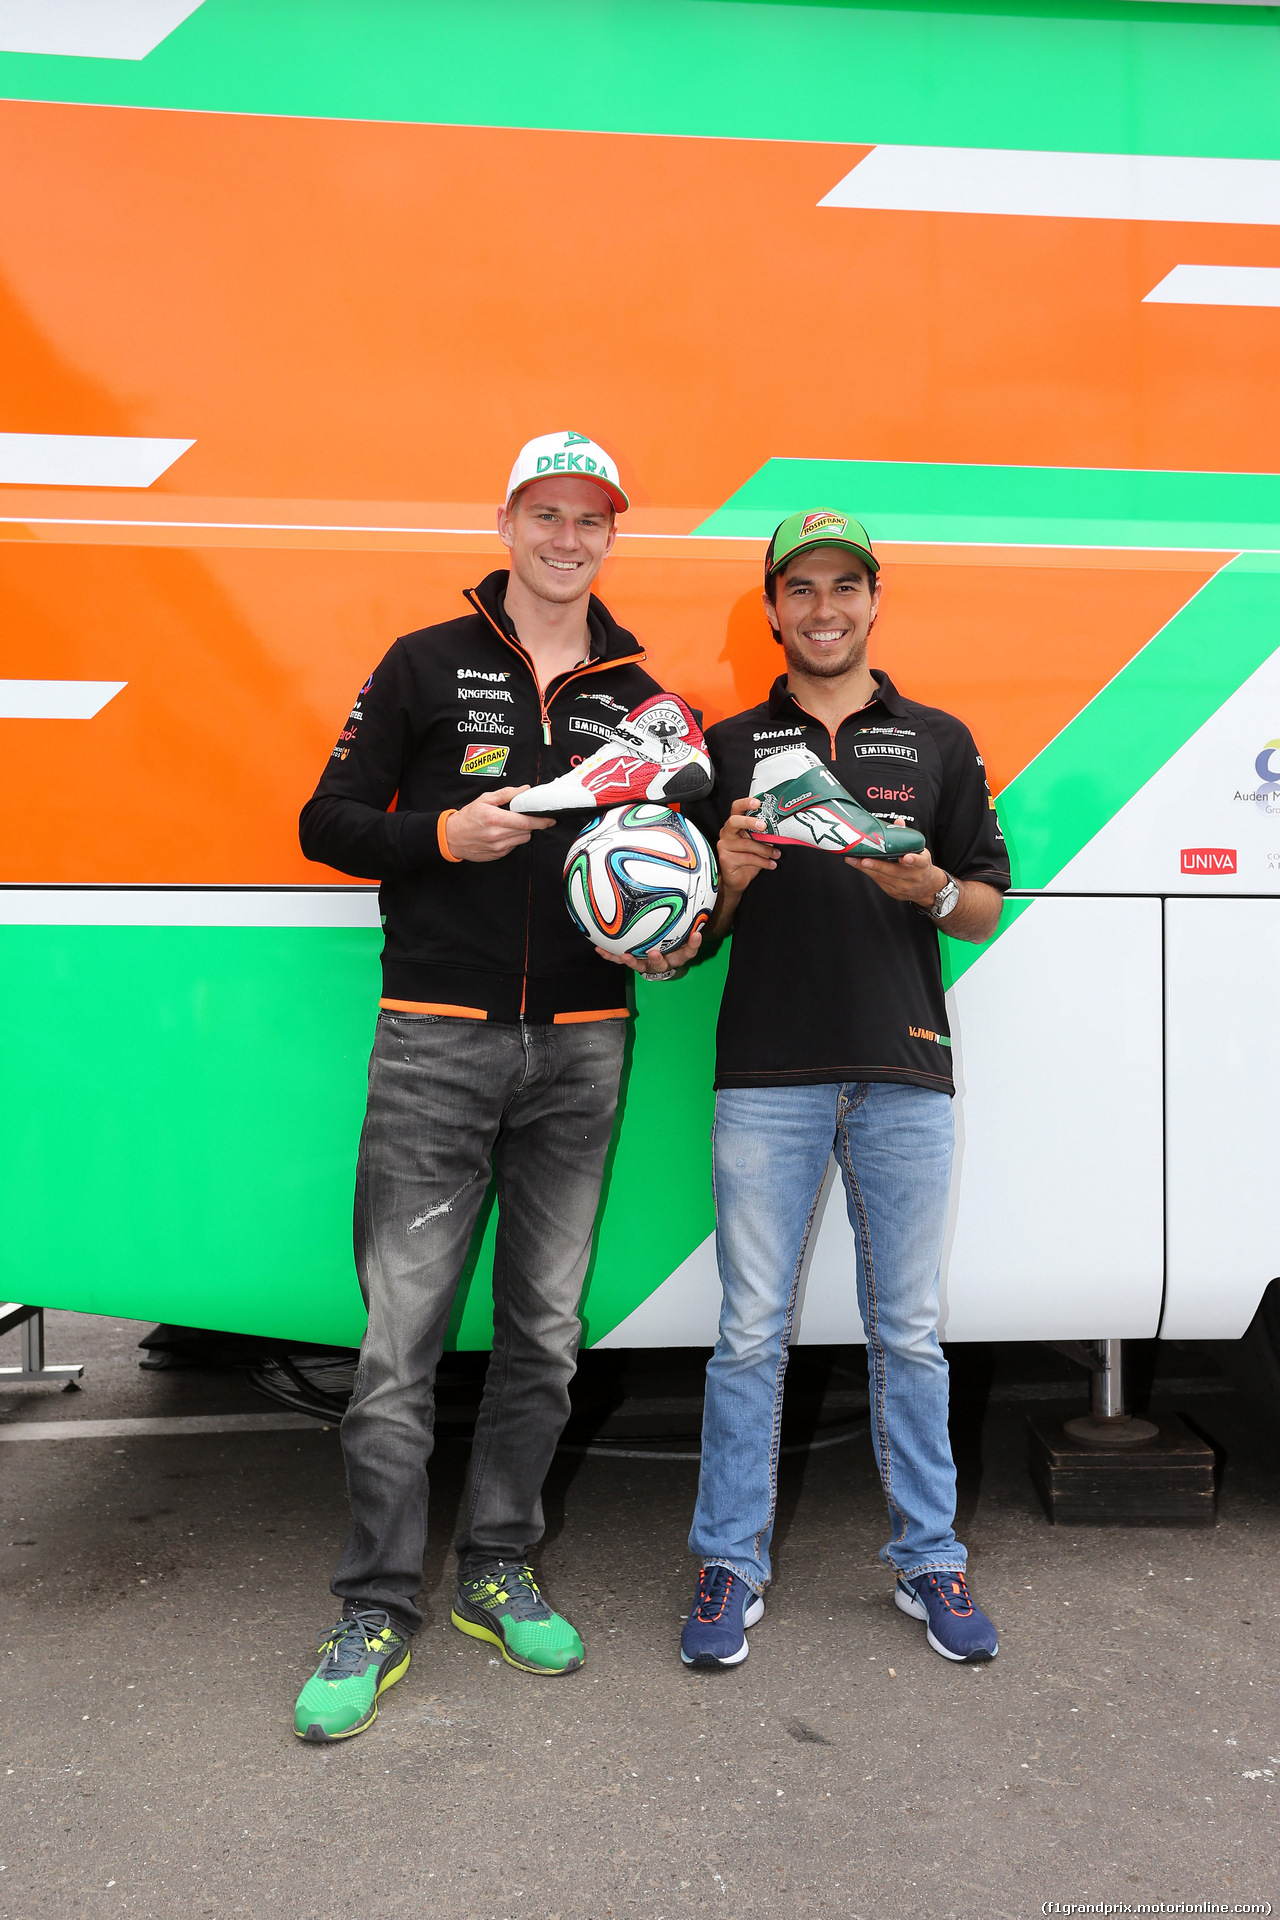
242, 664
336, 308
352, 313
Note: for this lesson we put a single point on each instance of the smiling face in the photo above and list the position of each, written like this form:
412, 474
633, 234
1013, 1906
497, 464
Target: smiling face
825, 607
559, 532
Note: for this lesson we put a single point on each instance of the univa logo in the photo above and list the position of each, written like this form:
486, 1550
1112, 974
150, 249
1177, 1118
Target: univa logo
1208, 860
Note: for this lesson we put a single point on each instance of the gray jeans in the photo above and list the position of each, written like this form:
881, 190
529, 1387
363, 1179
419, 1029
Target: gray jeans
450, 1099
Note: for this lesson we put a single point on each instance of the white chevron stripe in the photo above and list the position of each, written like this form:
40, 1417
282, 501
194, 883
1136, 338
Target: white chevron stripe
1187, 286
85, 459
189, 907
91, 29
56, 699
1075, 186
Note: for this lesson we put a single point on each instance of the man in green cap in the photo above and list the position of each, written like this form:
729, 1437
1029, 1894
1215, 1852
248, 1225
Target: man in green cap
833, 1038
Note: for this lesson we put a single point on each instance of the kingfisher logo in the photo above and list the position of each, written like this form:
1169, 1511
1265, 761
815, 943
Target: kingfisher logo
1208, 860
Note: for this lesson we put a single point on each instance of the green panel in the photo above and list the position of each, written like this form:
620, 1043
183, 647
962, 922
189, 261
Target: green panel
181, 1108
1116, 78
1020, 506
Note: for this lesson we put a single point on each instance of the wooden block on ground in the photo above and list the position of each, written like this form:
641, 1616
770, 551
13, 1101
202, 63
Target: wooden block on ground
1166, 1483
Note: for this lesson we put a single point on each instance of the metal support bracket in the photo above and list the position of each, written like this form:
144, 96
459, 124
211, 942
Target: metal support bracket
33, 1368
1106, 1424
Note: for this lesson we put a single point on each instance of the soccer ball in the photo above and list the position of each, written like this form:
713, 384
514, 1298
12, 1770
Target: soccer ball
639, 878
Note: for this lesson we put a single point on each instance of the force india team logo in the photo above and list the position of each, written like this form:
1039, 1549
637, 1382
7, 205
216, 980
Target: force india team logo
484, 760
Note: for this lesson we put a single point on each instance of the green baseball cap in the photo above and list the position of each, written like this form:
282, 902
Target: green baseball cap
822, 529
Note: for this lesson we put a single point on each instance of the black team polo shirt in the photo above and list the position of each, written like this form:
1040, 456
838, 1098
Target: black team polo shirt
830, 979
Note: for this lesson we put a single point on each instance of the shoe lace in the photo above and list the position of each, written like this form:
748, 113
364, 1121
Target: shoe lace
514, 1585
714, 1587
355, 1635
954, 1595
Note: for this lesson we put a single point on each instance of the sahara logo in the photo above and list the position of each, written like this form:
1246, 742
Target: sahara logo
485, 760
1208, 860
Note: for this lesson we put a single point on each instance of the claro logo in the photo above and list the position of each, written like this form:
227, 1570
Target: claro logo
1208, 859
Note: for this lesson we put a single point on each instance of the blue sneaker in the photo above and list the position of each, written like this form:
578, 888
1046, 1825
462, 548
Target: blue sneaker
955, 1627
715, 1632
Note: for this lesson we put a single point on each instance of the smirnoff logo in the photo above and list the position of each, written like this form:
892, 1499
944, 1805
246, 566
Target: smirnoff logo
1208, 859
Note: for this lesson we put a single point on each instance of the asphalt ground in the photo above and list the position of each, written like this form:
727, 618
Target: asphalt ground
162, 1596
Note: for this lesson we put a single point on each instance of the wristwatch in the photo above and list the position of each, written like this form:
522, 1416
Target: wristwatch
944, 900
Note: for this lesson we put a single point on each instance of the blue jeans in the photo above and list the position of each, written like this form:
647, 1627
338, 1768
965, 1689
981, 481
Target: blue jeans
452, 1104
771, 1148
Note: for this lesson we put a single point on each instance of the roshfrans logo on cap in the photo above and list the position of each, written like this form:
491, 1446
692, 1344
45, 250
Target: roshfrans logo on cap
823, 523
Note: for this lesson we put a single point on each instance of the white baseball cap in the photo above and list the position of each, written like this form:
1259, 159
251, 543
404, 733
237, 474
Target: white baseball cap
572, 454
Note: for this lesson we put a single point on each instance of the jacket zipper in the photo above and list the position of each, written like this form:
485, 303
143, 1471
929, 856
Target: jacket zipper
822, 723
577, 673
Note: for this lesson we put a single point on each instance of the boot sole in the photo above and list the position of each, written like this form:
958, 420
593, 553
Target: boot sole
315, 1734
858, 851
477, 1632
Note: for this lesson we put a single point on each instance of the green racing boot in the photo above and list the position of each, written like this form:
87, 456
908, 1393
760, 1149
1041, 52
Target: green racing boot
802, 804
503, 1605
362, 1656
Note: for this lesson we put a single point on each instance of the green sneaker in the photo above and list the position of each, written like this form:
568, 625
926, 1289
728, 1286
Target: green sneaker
503, 1605
363, 1656
802, 804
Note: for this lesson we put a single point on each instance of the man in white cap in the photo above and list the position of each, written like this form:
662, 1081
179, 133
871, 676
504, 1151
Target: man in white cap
498, 1053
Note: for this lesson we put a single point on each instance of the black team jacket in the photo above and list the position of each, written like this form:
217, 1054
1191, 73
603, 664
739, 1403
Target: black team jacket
450, 712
